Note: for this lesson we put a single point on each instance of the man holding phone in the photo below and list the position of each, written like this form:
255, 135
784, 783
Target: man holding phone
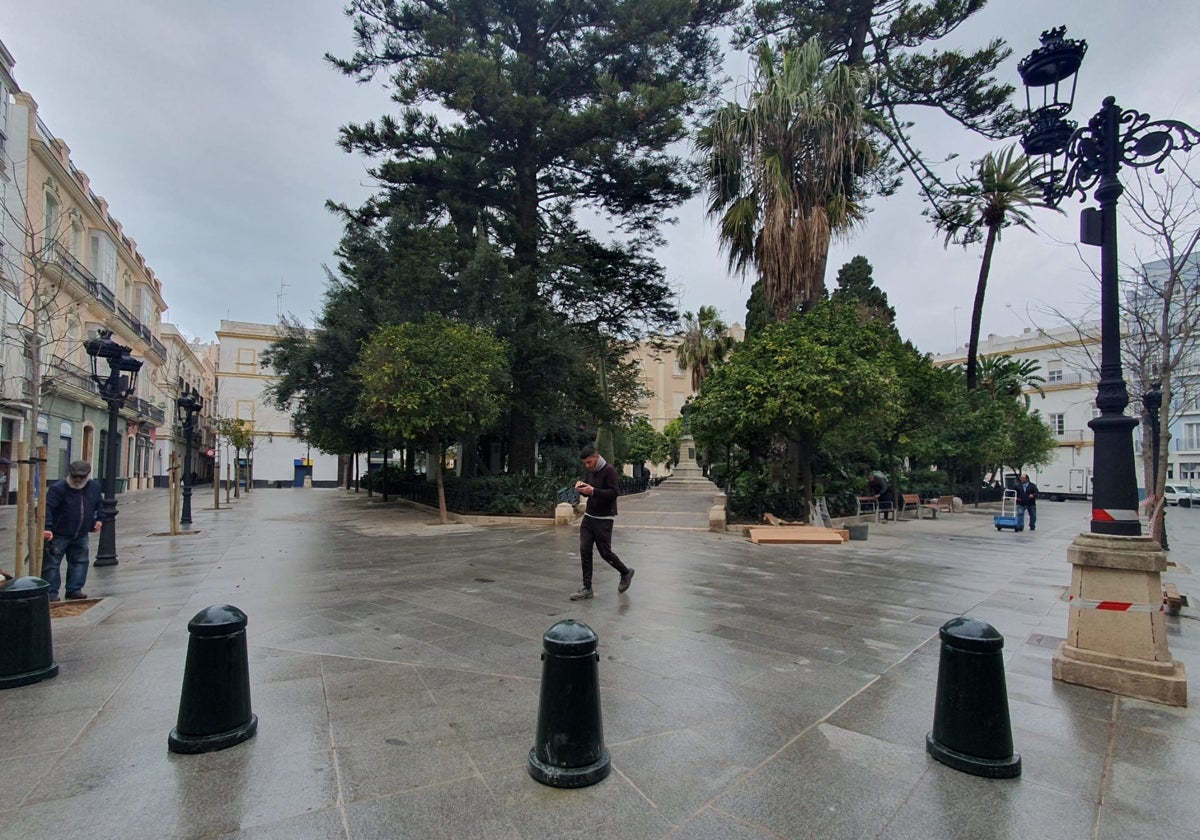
600, 487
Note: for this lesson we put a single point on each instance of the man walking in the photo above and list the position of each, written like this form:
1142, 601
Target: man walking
72, 512
600, 487
1026, 502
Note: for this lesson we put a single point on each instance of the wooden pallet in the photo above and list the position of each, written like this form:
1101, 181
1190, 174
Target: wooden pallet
794, 534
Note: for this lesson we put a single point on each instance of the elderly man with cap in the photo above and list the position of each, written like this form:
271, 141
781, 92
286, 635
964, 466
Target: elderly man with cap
72, 512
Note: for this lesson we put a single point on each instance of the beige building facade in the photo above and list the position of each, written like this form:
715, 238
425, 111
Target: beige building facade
68, 271
280, 457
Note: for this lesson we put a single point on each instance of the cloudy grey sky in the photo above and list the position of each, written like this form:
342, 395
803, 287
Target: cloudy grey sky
211, 130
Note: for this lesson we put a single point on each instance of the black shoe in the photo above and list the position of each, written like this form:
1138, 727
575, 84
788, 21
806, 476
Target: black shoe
583, 594
1031, 528
626, 579
54, 597
76, 596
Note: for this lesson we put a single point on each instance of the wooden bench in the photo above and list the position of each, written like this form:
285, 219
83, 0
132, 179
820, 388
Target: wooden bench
1173, 599
913, 501
871, 506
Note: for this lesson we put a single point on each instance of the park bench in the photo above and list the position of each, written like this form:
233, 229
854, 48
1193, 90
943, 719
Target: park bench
1173, 599
871, 506
913, 501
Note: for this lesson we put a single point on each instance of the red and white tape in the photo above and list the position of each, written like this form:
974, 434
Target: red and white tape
1112, 515
1113, 606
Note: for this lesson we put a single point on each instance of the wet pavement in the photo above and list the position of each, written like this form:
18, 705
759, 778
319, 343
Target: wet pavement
748, 691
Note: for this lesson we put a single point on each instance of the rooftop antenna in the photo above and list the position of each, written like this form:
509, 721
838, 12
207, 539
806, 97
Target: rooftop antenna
279, 299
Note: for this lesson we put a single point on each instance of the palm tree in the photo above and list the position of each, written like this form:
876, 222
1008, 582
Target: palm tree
705, 343
1002, 375
999, 195
781, 170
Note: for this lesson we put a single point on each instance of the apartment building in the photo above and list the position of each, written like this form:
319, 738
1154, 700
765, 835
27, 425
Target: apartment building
1069, 361
1183, 447
70, 270
280, 457
191, 365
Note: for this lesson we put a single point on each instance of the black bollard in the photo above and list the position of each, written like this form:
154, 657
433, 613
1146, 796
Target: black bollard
569, 751
214, 709
26, 649
971, 728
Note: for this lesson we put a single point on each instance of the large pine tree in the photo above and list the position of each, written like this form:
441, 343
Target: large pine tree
514, 116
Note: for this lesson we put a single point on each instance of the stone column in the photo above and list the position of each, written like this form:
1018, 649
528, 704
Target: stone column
1116, 632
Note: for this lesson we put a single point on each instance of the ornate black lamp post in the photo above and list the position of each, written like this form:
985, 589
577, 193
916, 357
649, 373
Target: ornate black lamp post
187, 406
114, 389
1072, 161
1152, 402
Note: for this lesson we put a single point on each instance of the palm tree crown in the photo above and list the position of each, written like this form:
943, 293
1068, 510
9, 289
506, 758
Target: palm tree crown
705, 343
999, 194
781, 169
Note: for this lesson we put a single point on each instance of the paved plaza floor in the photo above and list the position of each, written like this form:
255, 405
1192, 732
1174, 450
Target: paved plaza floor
748, 691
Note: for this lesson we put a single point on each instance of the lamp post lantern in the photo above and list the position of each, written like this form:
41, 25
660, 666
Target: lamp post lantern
1073, 160
187, 406
114, 389
1118, 649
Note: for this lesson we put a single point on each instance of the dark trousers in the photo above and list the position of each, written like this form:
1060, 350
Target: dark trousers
76, 551
598, 533
1021, 511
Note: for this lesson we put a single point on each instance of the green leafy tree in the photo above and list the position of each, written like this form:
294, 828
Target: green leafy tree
1000, 195
390, 271
776, 170
432, 382
643, 443
515, 117
798, 380
705, 343
897, 39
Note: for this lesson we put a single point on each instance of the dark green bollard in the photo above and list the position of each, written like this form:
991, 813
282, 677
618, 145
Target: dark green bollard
971, 729
214, 709
569, 750
26, 649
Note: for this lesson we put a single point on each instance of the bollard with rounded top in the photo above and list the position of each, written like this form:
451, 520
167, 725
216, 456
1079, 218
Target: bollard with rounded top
26, 650
971, 728
569, 751
214, 708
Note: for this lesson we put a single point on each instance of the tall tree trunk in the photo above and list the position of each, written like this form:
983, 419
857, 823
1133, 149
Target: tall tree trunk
985, 268
439, 452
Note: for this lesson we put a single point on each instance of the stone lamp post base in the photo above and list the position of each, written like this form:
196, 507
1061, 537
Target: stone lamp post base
1116, 632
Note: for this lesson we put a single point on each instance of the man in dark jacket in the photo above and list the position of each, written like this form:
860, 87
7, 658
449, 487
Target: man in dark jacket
601, 488
1027, 493
72, 512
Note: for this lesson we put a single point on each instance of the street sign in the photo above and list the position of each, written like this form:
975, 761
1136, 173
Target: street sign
212, 452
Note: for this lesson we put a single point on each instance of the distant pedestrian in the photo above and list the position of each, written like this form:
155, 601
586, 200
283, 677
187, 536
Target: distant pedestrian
72, 512
878, 489
1027, 493
601, 487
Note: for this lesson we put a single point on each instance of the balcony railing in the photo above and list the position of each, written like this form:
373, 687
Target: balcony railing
1064, 378
1069, 435
73, 375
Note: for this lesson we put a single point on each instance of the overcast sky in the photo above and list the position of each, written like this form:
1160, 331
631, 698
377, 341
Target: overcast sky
211, 128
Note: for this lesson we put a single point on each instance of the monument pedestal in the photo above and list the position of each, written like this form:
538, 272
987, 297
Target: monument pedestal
1116, 631
687, 466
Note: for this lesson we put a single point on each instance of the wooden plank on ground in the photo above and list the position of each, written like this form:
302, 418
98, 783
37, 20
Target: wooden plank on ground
792, 534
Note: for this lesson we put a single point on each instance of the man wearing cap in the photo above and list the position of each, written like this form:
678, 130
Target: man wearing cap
72, 512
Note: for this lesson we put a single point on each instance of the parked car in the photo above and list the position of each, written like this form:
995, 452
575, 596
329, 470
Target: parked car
1181, 495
